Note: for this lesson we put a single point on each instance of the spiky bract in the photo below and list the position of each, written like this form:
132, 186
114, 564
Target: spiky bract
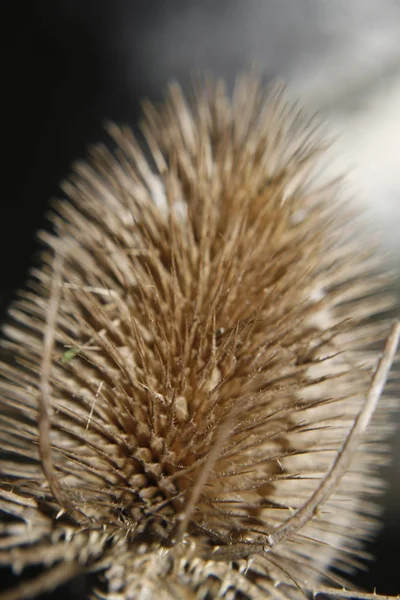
188, 360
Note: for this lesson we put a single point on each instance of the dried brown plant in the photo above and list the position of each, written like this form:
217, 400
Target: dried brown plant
191, 372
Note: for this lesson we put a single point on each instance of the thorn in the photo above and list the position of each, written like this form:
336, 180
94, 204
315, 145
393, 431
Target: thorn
93, 405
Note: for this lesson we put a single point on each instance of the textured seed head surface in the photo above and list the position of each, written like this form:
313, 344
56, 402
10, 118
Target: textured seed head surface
188, 360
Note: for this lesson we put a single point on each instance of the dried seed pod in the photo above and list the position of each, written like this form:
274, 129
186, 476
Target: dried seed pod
191, 369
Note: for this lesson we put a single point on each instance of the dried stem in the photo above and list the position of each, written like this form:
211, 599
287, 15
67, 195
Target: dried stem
44, 398
345, 455
201, 480
349, 594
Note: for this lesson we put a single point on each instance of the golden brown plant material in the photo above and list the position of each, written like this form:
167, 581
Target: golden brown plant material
191, 372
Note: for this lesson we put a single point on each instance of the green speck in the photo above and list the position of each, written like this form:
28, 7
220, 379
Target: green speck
69, 355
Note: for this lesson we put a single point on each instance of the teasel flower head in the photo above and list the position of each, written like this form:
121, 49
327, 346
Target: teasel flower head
190, 373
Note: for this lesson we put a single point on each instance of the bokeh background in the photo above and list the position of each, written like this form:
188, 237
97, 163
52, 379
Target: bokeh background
68, 65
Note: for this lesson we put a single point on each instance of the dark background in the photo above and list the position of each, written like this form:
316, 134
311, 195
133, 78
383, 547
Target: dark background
67, 65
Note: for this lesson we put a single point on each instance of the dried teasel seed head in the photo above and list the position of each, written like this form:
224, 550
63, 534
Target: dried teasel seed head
192, 370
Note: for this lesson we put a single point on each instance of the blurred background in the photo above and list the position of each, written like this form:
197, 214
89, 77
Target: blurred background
68, 65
